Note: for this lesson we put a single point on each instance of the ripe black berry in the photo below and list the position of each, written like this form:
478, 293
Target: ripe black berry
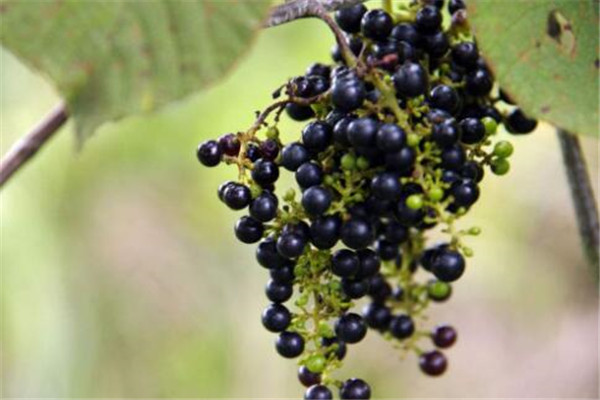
386, 250
316, 200
289, 344
264, 207
283, 275
278, 292
308, 378
269, 149
318, 392
348, 18
355, 389
318, 69
443, 336
453, 157
465, 193
390, 138
309, 174
402, 326
479, 82
290, 245
237, 196
386, 186
248, 230
406, 33
209, 153
362, 132
395, 232
351, 328
473, 171
377, 316
355, 288
428, 19
316, 136
347, 94
518, 123
445, 98
325, 231
411, 80
448, 265
433, 363
445, 134
401, 161
293, 155
229, 144
345, 263
370, 263
267, 255
265, 172
357, 233
437, 44
455, 5
376, 24
299, 112
334, 346
340, 130
465, 54
473, 130
276, 318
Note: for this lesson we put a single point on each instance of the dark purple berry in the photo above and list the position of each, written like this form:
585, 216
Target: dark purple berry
289, 344
433, 363
355, 389
209, 153
351, 328
276, 318
443, 336
248, 230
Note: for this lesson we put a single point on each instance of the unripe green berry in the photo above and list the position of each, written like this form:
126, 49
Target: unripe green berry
435, 193
316, 363
438, 289
289, 195
503, 149
328, 180
500, 166
475, 230
413, 140
325, 329
490, 125
272, 132
348, 162
362, 163
414, 201
302, 301
467, 251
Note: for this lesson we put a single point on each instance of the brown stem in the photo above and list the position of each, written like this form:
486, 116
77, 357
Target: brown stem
296, 9
28, 145
583, 197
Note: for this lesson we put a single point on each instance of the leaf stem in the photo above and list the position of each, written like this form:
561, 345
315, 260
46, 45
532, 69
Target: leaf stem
583, 197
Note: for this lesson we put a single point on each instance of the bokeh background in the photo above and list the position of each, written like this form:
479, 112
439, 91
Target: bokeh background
121, 276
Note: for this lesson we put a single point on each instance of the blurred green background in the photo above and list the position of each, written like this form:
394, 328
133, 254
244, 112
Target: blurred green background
121, 276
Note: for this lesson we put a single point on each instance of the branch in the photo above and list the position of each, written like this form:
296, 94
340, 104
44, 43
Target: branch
296, 9
29, 144
583, 197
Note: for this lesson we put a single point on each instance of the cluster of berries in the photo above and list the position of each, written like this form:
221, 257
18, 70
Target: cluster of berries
398, 134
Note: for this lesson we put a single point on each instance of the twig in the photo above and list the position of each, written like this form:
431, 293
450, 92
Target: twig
296, 9
583, 197
29, 144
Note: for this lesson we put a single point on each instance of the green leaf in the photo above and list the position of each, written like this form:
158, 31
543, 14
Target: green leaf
114, 58
545, 55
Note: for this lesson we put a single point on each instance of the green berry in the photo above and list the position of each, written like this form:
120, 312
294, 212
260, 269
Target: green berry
467, 251
503, 149
438, 289
435, 194
500, 166
316, 363
475, 231
289, 195
272, 132
362, 163
328, 180
348, 162
413, 140
325, 329
414, 201
490, 125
